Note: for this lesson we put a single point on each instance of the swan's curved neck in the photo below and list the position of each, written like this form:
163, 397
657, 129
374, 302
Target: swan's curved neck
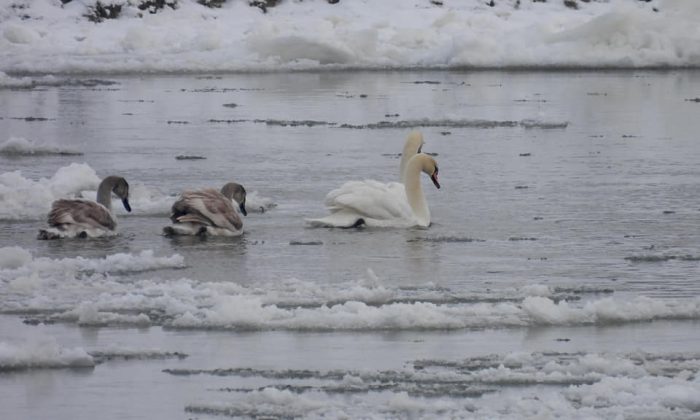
411, 148
104, 192
414, 193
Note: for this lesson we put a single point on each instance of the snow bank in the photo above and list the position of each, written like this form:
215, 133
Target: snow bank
314, 34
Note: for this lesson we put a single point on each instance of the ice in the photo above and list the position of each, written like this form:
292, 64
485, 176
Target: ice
19, 146
114, 263
13, 257
104, 291
608, 310
358, 34
41, 353
26, 199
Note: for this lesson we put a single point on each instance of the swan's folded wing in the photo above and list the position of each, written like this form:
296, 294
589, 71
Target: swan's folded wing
207, 207
370, 199
84, 213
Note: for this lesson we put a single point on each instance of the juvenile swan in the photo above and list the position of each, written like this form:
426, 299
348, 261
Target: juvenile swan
413, 145
384, 205
208, 211
83, 218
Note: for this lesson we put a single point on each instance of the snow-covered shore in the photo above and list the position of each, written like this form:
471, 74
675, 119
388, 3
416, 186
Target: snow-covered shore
48, 37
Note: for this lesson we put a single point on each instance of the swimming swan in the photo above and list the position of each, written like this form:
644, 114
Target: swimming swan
83, 218
383, 205
208, 211
413, 145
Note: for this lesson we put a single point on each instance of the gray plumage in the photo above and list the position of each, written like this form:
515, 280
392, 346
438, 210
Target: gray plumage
209, 209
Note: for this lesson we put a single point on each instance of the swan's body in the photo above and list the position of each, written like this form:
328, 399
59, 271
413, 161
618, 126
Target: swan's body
87, 218
383, 205
413, 145
208, 211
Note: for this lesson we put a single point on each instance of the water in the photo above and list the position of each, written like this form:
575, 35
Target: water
559, 273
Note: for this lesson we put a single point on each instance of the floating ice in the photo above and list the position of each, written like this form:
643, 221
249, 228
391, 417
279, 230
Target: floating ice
42, 354
104, 291
115, 263
12, 257
113, 353
499, 386
25, 199
18, 146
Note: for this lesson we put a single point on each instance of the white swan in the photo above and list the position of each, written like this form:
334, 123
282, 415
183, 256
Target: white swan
208, 211
413, 145
83, 218
383, 205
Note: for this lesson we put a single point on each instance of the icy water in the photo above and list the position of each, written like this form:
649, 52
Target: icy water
559, 277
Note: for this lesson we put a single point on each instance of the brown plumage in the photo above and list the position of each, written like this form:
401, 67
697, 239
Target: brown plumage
83, 214
208, 212
207, 207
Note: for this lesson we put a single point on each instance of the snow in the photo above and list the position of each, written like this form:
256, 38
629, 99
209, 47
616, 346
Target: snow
314, 34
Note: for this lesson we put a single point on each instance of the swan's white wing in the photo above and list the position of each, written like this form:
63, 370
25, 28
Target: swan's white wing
206, 207
370, 199
371, 202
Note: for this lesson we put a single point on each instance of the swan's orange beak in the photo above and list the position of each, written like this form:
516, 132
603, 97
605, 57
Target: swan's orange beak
434, 178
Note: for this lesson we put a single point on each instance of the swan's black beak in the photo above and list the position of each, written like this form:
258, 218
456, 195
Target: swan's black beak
125, 202
434, 178
242, 207
420, 148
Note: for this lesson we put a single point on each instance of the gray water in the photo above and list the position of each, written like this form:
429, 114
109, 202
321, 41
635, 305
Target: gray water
581, 183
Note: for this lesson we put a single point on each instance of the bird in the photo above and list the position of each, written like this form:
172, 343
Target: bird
373, 203
208, 212
86, 218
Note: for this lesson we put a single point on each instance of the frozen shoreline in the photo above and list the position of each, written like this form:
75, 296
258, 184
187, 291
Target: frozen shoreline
44, 38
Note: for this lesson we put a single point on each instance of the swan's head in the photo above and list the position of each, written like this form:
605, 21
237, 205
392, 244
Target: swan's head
236, 192
121, 189
430, 167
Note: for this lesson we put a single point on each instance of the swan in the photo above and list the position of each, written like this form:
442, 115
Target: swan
208, 211
413, 145
383, 205
83, 218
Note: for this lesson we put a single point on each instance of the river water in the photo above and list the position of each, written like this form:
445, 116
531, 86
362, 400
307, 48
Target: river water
559, 276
